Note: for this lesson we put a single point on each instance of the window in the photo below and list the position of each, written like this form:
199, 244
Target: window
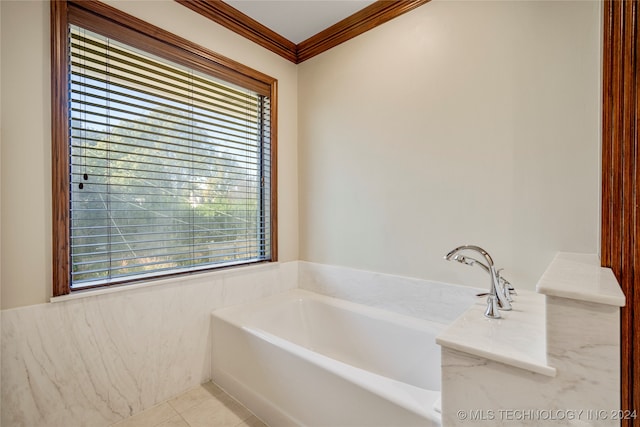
163, 153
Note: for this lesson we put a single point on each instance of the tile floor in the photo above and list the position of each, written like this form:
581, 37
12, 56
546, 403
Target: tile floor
203, 406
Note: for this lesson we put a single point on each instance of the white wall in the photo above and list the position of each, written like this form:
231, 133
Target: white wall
459, 122
26, 143
0, 207
26, 151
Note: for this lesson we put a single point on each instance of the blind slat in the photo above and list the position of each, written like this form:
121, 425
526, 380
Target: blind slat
85, 47
169, 170
99, 257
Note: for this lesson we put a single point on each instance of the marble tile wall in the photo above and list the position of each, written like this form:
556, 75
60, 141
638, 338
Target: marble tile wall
96, 360
481, 392
412, 297
582, 345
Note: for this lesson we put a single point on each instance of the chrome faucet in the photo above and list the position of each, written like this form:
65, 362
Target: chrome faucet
500, 293
506, 287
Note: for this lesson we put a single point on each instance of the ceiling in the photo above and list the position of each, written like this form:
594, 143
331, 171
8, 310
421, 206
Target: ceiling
297, 20
300, 29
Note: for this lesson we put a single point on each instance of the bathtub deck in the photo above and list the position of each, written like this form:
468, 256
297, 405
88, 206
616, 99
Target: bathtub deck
203, 406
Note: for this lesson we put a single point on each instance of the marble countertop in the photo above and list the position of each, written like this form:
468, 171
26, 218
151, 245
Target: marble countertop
518, 339
580, 277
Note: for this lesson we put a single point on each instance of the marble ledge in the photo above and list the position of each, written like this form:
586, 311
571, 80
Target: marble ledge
206, 275
518, 339
580, 277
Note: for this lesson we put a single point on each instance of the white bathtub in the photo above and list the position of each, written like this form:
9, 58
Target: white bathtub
303, 359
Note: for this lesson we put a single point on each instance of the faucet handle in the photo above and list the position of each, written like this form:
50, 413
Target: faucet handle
507, 287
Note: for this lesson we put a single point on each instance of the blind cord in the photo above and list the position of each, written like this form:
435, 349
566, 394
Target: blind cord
83, 131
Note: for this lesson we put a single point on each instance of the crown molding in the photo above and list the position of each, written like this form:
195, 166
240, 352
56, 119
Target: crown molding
366, 19
236, 21
360, 22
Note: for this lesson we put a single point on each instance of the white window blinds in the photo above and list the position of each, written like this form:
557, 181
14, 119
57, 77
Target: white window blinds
169, 167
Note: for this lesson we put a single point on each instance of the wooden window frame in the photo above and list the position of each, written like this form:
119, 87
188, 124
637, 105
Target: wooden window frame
101, 18
620, 238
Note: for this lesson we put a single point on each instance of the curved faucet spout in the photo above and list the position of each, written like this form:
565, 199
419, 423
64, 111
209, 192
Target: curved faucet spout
497, 296
478, 249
